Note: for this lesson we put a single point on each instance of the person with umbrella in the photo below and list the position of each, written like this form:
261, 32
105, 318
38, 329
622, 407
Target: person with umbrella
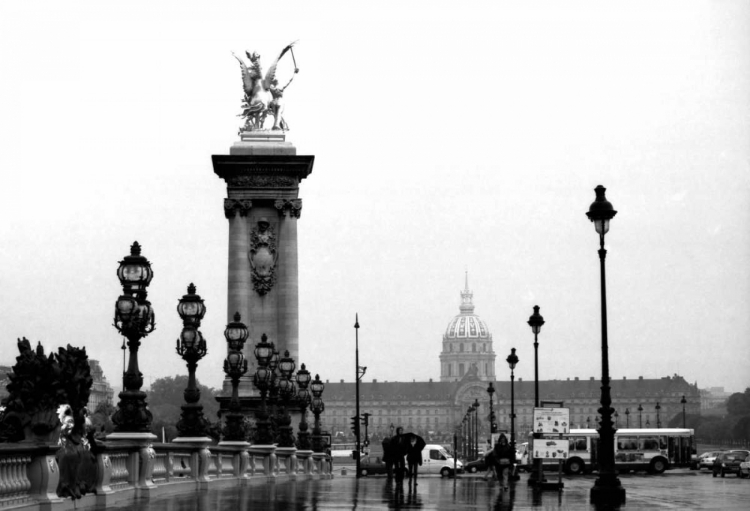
414, 446
501, 460
388, 456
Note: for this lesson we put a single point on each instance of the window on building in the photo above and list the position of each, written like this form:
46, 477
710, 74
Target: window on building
450, 347
461, 348
460, 369
473, 347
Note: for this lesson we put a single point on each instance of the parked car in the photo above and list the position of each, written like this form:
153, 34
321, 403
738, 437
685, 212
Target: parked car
476, 466
745, 468
728, 462
370, 465
706, 460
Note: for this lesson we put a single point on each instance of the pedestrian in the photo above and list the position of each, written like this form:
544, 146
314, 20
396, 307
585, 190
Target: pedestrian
398, 443
388, 457
501, 460
413, 458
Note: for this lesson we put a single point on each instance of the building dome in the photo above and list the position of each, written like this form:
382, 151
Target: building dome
467, 325
467, 344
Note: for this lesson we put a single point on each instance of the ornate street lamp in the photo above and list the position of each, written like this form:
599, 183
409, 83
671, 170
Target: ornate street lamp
616, 416
658, 417
262, 381
304, 399
476, 428
493, 424
535, 322
607, 486
640, 416
235, 366
134, 319
683, 401
287, 390
627, 416
317, 406
512, 361
191, 346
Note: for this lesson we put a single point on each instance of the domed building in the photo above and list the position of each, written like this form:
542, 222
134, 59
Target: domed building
467, 344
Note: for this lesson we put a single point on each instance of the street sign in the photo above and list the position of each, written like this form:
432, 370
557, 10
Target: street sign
551, 420
550, 449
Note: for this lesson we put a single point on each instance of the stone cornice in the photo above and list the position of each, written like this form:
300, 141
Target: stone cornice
262, 171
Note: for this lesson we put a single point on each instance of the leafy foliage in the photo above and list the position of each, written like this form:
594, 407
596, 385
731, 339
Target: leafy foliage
739, 403
165, 398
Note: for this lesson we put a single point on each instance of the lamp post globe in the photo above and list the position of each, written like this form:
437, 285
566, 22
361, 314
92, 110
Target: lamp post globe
607, 487
235, 366
134, 319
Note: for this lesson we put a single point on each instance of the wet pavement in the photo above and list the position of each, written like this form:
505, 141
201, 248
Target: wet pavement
674, 490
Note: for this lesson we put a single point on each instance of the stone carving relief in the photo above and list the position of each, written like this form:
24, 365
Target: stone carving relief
293, 207
263, 256
233, 207
263, 181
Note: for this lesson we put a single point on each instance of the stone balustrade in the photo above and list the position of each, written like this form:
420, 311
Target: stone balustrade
29, 474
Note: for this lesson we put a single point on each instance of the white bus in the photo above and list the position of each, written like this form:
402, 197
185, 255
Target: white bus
653, 450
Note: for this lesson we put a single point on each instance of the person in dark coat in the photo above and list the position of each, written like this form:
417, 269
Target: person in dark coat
501, 460
413, 458
398, 444
388, 457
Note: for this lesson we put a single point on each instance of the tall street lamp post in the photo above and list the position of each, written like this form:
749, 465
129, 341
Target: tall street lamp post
261, 379
493, 424
304, 400
134, 319
191, 346
360, 372
317, 406
535, 322
512, 361
607, 487
640, 416
287, 391
235, 366
658, 417
476, 428
683, 401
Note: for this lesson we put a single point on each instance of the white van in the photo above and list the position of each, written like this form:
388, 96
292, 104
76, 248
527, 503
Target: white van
436, 460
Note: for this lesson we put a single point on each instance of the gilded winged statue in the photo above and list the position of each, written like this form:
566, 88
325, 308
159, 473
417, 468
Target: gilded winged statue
262, 93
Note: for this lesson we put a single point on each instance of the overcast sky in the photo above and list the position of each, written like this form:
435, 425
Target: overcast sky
447, 136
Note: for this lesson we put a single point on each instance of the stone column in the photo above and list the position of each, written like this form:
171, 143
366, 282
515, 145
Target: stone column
263, 173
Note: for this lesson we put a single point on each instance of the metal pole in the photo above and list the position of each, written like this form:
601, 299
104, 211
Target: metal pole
512, 412
607, 485
356, 386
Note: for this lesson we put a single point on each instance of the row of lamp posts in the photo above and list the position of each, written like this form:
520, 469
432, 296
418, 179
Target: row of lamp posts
135, 319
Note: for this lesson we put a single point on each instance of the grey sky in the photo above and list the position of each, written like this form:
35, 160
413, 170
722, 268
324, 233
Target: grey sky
446, 137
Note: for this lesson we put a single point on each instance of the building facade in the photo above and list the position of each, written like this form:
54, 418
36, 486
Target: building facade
467, 365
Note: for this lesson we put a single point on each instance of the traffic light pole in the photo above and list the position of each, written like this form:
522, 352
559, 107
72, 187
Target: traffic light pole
360, 371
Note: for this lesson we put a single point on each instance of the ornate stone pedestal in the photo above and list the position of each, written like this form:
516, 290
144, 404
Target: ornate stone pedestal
199, 458
265, 455
140, 464
240, 459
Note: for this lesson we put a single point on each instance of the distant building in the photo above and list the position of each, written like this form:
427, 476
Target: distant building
467, 364
101, 390
713, 397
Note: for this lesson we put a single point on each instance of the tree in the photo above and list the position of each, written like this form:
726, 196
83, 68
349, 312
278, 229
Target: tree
166, 396
739, 403
101, 419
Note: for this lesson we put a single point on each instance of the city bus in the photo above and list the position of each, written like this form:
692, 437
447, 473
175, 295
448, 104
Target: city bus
650, 449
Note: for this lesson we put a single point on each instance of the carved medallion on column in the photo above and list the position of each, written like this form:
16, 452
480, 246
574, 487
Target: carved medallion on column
263, 256
232, 207
291, 207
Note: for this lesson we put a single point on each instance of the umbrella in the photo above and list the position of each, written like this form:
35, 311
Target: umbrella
420, 441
